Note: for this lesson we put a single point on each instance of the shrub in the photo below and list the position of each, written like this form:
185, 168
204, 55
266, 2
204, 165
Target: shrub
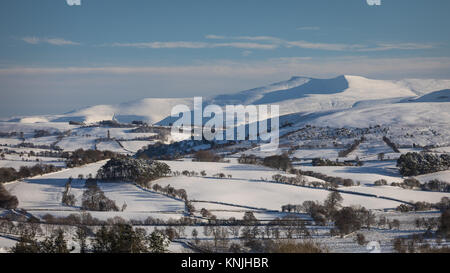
281, 162
361, 239
206, 156
380, 182
94, 199
347, 220
7, 201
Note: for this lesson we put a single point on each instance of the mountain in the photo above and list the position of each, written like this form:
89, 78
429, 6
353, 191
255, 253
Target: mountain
304, 95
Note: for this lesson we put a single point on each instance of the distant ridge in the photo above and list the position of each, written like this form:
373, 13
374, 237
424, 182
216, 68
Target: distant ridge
303, 95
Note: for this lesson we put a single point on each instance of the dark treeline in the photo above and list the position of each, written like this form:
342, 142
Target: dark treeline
353, 147
81, 157
280, 162
130, 169
432, 185
10, 174
334, 181
327, 162
412, 164
391, 144
206, 156
118, 238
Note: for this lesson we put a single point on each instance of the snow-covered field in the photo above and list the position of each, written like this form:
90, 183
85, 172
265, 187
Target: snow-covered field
42, 195
322, 116
264, 195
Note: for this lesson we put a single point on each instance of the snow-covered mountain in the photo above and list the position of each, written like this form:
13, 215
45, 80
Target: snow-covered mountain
328, 99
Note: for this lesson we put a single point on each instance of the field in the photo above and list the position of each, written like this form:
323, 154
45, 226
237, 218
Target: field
359, 132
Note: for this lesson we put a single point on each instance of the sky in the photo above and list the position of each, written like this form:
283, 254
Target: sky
56, 57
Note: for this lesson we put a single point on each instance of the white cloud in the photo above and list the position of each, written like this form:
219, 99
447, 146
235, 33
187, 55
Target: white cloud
51, 41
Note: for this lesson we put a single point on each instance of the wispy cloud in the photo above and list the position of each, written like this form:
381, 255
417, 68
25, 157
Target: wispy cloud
193, 45
399, 46
247, 42
51, 41
278, 42
325, 46
309, 28
157, 45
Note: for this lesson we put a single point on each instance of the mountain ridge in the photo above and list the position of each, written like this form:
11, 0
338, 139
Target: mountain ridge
296, 95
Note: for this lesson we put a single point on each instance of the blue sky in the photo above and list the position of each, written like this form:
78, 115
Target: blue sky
55, 58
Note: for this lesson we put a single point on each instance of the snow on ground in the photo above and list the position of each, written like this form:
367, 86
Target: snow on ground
110, 146
265, 195
16, 164
331, 154
73, 143
366, 174
6, 244
134, 146
176, 247
48, 140
442, 176
140, 200
9, 141
101, 215
413, 114
28, 128
43, 194
442, 150
238, 171
401, 194
117, 133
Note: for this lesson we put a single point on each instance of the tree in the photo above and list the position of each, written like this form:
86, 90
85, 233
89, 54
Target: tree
81, 236
369, 219
56, 243
94, 199
347, 220
361, 239
26, 243
396, 223
281, 162
120, 238
195, 235
412, 164
444, 224
206, 156
7, 201
333, 202
158, 242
